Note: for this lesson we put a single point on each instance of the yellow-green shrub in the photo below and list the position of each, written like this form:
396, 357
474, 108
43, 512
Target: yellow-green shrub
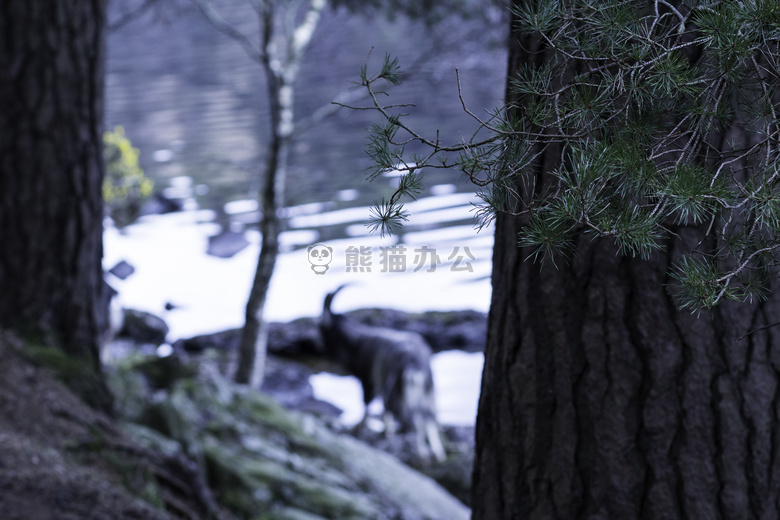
126, 186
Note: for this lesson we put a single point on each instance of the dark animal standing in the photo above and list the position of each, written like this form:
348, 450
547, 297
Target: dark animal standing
391, 364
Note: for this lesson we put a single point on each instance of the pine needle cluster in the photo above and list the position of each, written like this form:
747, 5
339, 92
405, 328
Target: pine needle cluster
659, 115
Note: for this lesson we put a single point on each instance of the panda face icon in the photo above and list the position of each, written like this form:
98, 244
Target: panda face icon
320, 256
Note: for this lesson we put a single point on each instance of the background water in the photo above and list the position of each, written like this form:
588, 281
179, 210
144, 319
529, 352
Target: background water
195, 104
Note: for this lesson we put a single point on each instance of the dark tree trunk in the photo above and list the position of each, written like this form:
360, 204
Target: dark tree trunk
601, 400
51, 171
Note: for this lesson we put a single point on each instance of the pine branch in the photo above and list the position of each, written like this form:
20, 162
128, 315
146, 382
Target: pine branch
638, 103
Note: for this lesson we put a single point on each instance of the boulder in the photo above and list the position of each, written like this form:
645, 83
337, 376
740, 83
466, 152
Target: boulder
453, 474
450, 330
297, 338
122, 270
265, 462
160, 204
443, 330
224, 341
143, 327
226, 244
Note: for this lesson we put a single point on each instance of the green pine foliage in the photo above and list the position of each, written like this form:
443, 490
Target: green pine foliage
663, 115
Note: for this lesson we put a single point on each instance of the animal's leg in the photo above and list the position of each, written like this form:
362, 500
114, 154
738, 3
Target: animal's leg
368, 396
390, 425
434, 440
423, 451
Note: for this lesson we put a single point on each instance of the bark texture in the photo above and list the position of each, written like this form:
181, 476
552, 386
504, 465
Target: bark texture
51, 171
601, 400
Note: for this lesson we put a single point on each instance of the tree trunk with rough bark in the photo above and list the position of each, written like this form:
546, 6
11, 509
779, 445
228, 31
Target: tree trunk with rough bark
51, 172
600, 399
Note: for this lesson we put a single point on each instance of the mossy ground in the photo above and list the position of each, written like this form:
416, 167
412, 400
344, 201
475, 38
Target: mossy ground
195, 447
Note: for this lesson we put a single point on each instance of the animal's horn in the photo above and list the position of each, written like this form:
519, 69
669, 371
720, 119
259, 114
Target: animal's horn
329, 298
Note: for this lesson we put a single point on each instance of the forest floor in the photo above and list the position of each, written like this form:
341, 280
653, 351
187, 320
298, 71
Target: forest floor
62, 459
48, 466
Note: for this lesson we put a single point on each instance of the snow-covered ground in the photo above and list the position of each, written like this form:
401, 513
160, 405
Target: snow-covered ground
445, 269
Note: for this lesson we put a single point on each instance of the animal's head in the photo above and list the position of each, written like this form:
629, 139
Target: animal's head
320, 256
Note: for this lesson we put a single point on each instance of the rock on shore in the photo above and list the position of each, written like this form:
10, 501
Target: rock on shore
264, 461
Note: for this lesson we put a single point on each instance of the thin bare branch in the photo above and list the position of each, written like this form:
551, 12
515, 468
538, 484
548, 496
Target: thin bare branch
131, 15
219, 23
